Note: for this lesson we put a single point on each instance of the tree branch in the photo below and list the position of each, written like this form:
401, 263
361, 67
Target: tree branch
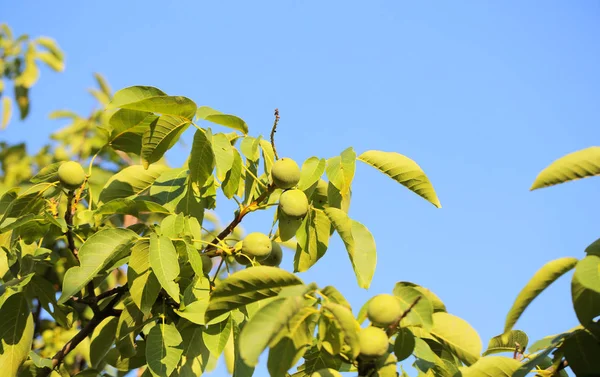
273, 130
392, 329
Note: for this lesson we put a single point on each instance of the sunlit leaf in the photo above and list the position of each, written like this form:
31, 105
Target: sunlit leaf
215, 336
458, 336
161, 136
95, 253
144, 287
580, 164
340, 170
491, 366
514, 340
313, 240
421, 314
540, 281
129, 182
128, 128
169, 187
102, 339
164, 263
147, 98
231, 183
163, 349
404, 171
202, 160
223, 155
214, 116
581, 351
312, 170
350, 328
438, 305
6, 111
130, 207
16, 331
585, 291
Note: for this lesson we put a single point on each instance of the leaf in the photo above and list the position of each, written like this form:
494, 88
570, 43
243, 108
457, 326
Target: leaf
593, 248
508, 343
6, 111
144, 287
130, 207
147, 98
102, 339
44, 291
50, 60
202, 160
438, 305
215, 336
169, 187
94, 254
223, 155
164, 264
386, 366
404, 344
163, 349
231, 183
404, 171
48, 173
350, 328
131, 181
214, 116
129, 127
421, 314
22, 97
160, 137
264, 326
340, 170
581, 351
580, 164
585, 291
16, 331
313, 240
336, 296
312, 170
248, 286
316, 359
50, 45
456, 334
540, 281
31, 73
268, 155
104, 87
196, 355
491, 366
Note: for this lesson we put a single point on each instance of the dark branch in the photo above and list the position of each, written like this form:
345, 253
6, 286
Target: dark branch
273, 130
392, 329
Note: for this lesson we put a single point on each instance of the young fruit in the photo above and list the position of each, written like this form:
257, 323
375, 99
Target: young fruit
384, 310
326, 372
285, 173
207, 263
293, 204
274, 259
373, 342
256, 245
71, 175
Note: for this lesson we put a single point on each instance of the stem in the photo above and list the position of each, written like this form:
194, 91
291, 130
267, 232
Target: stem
217, 272
254, 176
392, 328
273, 130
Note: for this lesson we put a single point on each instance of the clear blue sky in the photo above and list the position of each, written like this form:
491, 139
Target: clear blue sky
482, 94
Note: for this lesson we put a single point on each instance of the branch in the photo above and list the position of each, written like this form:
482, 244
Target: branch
210, 250
392, 328
84, 333
273, 130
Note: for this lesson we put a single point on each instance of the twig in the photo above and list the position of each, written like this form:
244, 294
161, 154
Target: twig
396, 324
212, 284
273, 130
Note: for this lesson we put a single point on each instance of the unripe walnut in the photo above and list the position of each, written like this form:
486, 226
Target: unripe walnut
293, 203
274, 259
326, 372
207, 263
373, 342
71, 175
256, 245
383, 310
285, 173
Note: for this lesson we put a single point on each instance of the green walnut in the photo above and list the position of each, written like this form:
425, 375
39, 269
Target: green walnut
274, 259
207, 263
71, 175
373, 343
383, 310
326, 372
285, 173
256, 246
293, 204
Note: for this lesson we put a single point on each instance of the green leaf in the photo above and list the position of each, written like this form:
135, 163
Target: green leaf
580, 164
386, 366
44, 291
131, 207
404, 171
283, 356
164, 263
313, 240
48, 173
94, 254
16, 331
312, 170
340, 170
144, 287
456, 334
129, 182
491, 366
540, 281
585, 291
249, 147
31, 73
268, 155
214, 116
216, 336
202, 159
102, 339
316, 359
129, 127
336, 296
231, 183
104, 87
169, 187
594, 248
163, 349
550, 341
6, 111
147, 98
404, 344
195, 355
508, 343
22, 97
160, 137
50, 45
223, 155
350, 328
581, 351
259, 332
248, 286
50, 60
421, 314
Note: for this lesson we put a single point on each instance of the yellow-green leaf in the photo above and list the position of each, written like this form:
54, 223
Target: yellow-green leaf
147, 98
164, 263
585, 290
404, 171
456, 334
6, 111
214, 116
16, 333
515, 340
540, 281
163, 349
130, 181
580, 164
491, 366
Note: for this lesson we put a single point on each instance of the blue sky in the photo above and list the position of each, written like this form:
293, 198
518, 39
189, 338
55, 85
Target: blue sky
483, 95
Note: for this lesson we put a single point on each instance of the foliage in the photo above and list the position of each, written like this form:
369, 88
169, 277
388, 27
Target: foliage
117, 274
